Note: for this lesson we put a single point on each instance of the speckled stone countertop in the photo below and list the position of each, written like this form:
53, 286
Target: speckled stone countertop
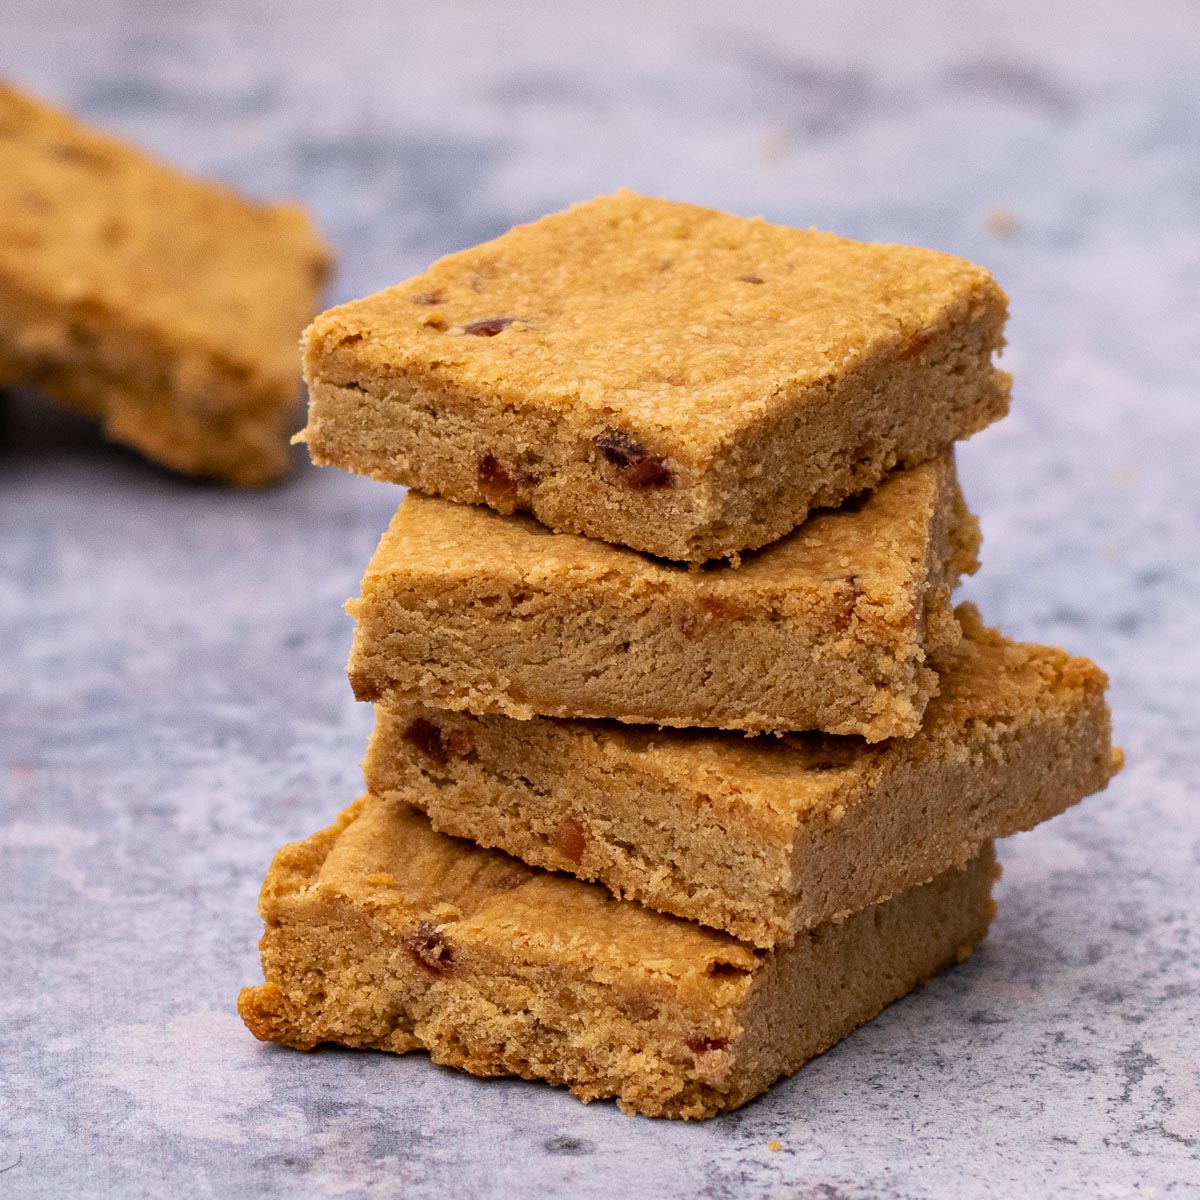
172, 704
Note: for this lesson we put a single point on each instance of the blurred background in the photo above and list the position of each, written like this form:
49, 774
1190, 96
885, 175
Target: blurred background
172, 703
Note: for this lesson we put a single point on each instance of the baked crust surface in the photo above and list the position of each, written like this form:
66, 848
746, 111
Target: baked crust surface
658, 375
764, 837
381, 933
164, 305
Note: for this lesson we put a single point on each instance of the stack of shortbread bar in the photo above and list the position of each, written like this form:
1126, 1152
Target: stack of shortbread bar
684, 776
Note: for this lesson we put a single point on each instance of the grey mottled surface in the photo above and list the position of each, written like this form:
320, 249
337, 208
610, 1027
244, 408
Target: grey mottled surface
171, 699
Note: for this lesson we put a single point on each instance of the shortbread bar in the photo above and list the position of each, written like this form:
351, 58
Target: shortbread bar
381, 933
166, 306
829, 628
657, 375
765, 837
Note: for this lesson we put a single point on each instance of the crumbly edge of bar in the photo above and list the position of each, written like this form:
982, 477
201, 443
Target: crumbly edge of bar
747, 685
899, 827
563, 803
337, 970
747, 495
904, 412
557, 797
900, 944
514, 647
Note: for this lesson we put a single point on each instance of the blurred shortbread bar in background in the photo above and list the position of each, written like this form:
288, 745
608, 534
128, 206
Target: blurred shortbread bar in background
166, 306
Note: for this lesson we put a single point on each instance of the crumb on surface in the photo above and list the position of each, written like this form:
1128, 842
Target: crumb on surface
1001, 221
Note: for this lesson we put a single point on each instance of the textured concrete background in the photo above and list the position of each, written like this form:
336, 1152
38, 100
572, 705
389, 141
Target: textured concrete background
172, 705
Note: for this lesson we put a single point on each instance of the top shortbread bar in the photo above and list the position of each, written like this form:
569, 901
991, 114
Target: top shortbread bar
658, 375
167, 306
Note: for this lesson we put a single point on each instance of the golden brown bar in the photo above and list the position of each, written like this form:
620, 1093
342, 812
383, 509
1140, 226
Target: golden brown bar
764, 837
166, 306
381, 933
829, 628
657, 375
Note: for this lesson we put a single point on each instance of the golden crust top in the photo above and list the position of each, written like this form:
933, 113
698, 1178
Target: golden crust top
386, 858
661, 315
873, 547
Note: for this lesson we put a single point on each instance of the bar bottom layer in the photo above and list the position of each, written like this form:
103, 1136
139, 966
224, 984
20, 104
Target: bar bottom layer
382, 933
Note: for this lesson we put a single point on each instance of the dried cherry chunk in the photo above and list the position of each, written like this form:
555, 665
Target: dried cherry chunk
571, 840
639, 468
703, 1045
437, 743
429, 949
458, 743
619, 448
495, 482
914, 346
488, 327
652, 473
